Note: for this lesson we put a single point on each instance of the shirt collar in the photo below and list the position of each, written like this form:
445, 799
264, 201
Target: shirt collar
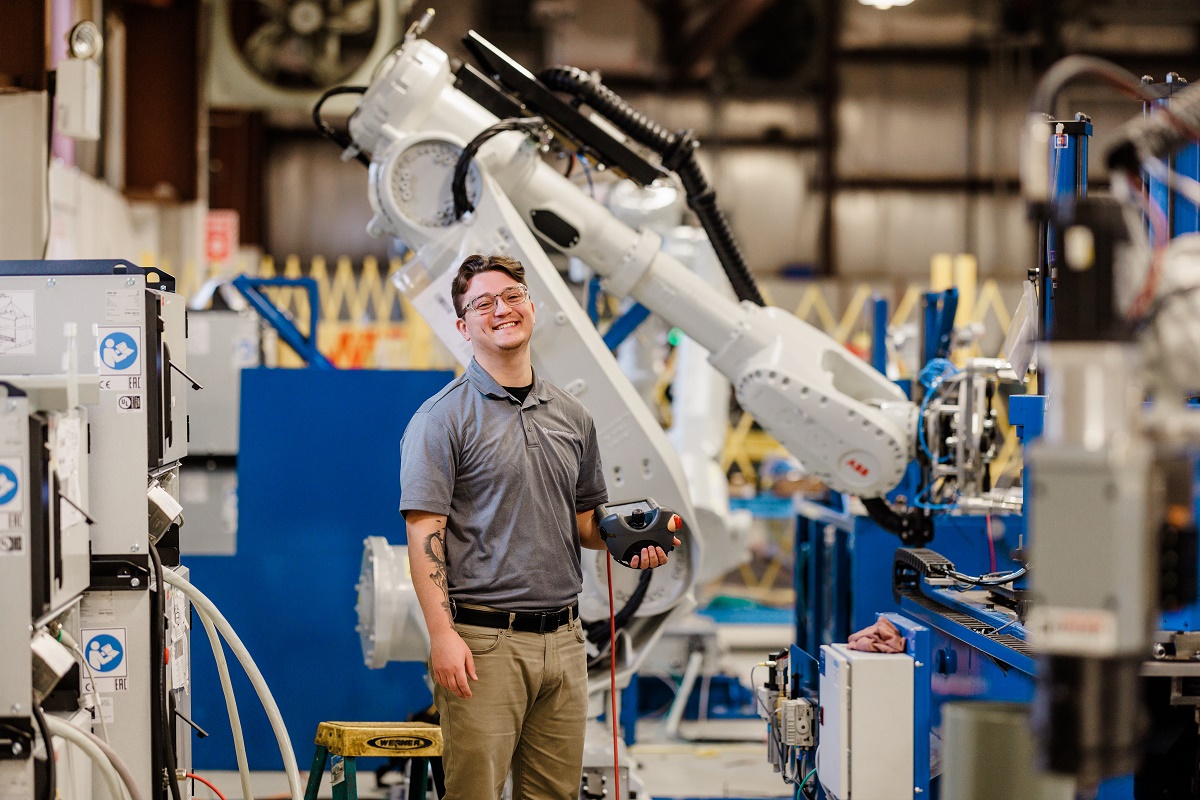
482, 380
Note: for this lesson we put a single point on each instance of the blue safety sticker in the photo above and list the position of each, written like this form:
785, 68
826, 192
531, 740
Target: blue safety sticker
9, 485
118, 350
104, 649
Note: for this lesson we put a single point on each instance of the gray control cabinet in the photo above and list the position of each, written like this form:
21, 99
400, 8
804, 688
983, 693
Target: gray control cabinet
220, 345
96, 353
129, 335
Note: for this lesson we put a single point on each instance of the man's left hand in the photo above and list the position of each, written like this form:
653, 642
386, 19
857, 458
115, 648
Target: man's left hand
651, 557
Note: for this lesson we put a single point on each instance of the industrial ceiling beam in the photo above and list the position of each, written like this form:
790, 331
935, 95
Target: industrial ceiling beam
693, 55
831, 96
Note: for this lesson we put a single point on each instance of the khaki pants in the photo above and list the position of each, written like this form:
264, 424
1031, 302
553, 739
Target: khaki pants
527, 711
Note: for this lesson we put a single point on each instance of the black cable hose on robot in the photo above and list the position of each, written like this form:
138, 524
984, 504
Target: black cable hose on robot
341, 139
158, 644
678, 152
51, 774
913, 525
597, 632
458, 181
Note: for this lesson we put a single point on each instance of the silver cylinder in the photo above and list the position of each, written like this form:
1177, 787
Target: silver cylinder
1094, 390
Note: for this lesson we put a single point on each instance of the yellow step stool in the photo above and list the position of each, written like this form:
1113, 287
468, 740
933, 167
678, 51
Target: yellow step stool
346, 741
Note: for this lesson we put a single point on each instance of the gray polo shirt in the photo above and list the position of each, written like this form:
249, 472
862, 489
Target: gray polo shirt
510, 478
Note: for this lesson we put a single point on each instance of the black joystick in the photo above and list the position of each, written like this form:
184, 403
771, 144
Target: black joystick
629, 527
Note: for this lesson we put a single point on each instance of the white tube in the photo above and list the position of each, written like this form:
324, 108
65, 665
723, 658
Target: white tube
206, 606
95, 692
79, 738
65, 638
691, 672
235, 720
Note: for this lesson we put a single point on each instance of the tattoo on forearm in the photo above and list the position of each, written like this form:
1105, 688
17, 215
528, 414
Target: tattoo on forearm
435, 548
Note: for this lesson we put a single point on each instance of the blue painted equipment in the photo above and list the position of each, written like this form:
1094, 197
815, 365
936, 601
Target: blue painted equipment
624, 325
1183, 216
318, 470
305, 346
879, 316
940, 308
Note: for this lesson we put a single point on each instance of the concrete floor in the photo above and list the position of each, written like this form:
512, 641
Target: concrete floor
714, 759
708, 768
671, 771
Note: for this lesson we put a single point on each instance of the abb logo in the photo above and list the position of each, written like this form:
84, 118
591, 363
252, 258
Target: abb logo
858, 466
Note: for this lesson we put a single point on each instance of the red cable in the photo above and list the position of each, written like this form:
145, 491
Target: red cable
1158, 224
206, 783
991, 544
612, 663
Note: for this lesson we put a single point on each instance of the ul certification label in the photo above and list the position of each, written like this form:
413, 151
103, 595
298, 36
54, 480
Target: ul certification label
129, 402
117, 350
104, 650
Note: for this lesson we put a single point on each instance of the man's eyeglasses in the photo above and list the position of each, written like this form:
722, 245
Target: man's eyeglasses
486, 303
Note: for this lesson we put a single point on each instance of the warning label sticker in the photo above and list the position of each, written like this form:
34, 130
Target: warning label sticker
118, 350
104, 650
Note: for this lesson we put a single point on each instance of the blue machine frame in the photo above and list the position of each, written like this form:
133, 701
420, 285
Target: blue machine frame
305, 346
318, 471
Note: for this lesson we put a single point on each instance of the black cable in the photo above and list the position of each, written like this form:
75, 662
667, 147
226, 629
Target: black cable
341, 139
913, 525
458, 185
678, 152
51, 773
158, 642
597, 632
991, 579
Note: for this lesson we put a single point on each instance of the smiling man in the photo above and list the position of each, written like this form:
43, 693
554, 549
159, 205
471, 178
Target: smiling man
500, 477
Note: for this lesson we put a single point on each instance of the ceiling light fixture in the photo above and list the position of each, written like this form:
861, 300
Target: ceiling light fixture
885, 4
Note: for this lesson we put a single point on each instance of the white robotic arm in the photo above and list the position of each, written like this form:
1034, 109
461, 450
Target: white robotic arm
847, 424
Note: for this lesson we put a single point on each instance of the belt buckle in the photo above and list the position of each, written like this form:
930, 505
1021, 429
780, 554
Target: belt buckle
543, 622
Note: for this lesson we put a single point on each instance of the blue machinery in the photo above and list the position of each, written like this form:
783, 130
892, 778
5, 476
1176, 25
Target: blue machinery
1183, 216
305, 346
849, 570
293, 419
318, 470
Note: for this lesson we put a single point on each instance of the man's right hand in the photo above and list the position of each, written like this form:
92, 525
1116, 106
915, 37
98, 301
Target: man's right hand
452, 663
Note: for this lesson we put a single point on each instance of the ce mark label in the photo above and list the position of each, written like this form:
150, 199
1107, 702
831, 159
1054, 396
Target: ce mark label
124, 383
129, 402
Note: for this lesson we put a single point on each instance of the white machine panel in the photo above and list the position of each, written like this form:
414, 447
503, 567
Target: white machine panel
866, 723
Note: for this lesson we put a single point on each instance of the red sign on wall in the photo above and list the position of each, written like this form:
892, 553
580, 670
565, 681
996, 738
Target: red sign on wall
221, 236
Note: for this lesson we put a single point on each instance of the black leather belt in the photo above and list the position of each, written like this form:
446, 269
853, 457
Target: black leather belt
528, 621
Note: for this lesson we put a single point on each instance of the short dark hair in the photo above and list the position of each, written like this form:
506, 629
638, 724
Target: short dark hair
476, 264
